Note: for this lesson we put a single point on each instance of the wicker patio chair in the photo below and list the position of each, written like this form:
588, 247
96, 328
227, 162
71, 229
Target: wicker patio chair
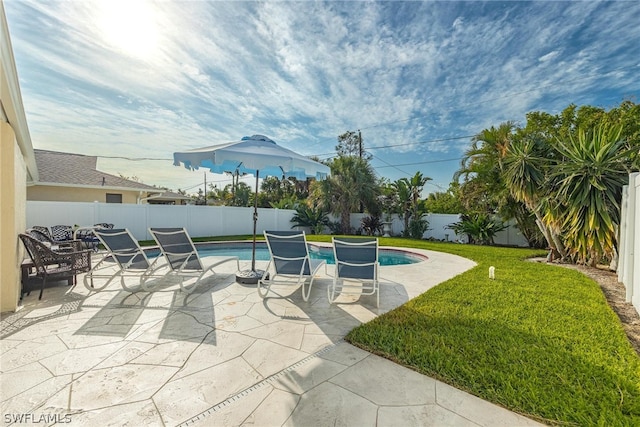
50, 264
74, 245
62, 232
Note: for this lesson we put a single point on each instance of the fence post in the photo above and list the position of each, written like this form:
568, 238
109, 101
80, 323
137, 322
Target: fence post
633, 238
622, 235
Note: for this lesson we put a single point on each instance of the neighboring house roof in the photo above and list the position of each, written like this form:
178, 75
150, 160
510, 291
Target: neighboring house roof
77, 170
168, 195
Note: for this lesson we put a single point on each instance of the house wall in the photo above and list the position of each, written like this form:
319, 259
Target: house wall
13, 173
17, 167
77, 194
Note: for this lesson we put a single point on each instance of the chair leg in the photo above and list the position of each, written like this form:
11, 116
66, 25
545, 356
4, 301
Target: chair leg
44, 282
263, 288
331, 290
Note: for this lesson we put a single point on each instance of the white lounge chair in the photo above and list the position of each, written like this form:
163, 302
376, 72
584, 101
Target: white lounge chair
356, 261
289, 259
124, 259
182, 256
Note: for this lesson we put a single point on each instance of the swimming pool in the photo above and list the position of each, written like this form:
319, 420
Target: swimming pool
242, 250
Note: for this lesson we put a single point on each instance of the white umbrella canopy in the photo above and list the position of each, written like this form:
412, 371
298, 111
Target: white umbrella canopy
257, 155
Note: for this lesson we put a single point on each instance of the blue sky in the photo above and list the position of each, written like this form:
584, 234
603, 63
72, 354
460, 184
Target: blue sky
141, 79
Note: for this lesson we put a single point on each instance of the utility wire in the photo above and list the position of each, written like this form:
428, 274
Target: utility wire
407, 143
421, 163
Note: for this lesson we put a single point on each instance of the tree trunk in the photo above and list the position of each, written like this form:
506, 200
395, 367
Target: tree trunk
613, 265
553, 240
345, 219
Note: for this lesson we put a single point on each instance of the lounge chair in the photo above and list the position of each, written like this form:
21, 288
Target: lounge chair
50, 264
356, 261
124, 259
289, 258
182, 256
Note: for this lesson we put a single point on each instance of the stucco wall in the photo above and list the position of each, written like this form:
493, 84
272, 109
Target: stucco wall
13, 176
76, 194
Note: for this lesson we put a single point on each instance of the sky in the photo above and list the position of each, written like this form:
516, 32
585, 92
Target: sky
134, 81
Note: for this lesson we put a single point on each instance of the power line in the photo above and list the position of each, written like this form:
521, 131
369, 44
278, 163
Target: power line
421, 163
133, 159
407, 143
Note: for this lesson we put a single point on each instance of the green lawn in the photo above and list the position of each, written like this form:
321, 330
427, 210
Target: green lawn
540, 340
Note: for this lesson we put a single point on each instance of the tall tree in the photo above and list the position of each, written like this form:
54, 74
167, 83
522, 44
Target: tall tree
409, 191
595, 167
350, 144
352, 181
446, 202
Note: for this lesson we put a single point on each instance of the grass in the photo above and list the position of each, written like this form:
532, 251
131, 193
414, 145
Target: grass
539, 340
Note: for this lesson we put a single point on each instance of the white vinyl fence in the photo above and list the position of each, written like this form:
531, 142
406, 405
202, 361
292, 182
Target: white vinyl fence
203, 221
198, 220
438, 229
629, 240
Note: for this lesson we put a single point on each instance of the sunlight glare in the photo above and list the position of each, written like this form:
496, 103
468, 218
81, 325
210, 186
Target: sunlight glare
129, 26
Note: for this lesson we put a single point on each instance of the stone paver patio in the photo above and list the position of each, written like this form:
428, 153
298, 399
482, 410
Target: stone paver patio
222, 356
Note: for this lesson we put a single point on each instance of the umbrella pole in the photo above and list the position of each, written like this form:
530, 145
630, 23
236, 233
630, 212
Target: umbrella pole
255, 224
253, 276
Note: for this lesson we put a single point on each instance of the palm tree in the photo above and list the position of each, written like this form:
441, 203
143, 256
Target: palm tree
352, 182
409, 191
590, 180
527, 163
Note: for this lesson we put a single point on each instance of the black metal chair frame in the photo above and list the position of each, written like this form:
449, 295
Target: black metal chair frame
36, 233
50, 264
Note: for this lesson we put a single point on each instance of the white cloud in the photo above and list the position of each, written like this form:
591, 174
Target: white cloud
403, 72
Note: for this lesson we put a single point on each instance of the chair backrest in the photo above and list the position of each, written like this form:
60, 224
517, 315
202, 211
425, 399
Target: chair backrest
289, 251
44, 230
178, 248
36, 250
62, 232
124, 249
356, 258
37, 234
40, 254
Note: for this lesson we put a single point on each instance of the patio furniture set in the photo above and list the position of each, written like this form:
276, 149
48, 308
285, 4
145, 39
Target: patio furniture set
356, 260
57, 253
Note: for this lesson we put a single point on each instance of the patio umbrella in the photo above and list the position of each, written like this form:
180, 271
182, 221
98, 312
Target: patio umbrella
257, 155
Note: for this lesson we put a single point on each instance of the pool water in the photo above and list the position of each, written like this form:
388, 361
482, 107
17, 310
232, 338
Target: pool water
243, 251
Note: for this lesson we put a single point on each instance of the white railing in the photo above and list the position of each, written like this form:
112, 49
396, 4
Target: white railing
629, 240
